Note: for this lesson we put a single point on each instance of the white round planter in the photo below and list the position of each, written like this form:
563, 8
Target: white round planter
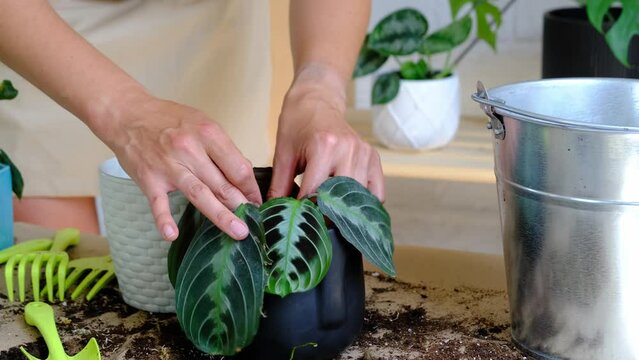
424, 115
139, 252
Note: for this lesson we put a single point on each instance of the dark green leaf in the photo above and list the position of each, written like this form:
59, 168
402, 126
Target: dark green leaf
483, 11
360, 218
298, 245
220, 286
399, 33
368, 61
447, 38
385, 88
414, 71
597, 10
7, 91
17, 183
188, 226
456, 5
624, 29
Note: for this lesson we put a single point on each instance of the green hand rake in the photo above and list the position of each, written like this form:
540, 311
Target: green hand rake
92, 267
53, 258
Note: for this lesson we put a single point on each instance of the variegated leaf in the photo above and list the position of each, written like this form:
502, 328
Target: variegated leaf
188, 226
368, 61
220, 286
360, 218
298, 245
399, 33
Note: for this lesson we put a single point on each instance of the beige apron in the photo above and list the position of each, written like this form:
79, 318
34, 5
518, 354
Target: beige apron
210, 54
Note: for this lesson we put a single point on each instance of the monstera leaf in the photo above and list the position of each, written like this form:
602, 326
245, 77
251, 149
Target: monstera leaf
624, 29
360, 218
298, 245
485, 13
220, 286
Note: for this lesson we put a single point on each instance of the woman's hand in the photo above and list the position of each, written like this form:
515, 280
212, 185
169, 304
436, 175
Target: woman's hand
165, 146
313, 138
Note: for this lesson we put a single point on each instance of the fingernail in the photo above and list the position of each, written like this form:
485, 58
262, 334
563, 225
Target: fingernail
238, 229
168, 231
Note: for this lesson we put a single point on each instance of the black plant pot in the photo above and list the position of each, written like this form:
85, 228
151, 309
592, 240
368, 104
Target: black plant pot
572, 47
330, 315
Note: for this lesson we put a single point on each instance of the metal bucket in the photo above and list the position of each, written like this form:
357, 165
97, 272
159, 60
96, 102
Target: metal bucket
567, 168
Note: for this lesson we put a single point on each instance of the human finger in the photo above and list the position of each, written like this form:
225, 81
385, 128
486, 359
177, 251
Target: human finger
228, 158
159, 203
376, 177
355, 166
284, 166
202, 198
226, 192
317, 170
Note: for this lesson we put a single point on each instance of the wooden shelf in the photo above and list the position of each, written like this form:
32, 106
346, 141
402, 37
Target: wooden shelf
469, 157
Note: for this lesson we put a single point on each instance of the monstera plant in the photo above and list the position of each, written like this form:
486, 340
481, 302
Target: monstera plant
220, 283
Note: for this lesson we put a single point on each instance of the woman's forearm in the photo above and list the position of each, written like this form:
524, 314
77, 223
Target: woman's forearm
39, 45
327, 35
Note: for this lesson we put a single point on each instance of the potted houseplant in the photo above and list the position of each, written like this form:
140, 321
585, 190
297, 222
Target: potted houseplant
592, 40
294, 281
10, 180
418, 105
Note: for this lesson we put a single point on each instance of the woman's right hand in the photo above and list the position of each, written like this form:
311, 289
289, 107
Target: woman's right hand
165, 146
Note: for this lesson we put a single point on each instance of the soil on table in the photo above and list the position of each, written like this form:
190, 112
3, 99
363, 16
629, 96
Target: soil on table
402, 321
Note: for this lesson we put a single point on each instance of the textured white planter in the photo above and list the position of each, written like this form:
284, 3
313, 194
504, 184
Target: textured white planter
424, 115
139, 252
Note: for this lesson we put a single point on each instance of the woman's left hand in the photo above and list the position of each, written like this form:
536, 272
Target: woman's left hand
314, 138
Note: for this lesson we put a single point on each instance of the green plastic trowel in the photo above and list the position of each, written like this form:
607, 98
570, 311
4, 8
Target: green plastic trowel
40, 315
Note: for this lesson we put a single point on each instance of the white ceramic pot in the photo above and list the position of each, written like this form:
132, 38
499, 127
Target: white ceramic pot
139, 252
424, 115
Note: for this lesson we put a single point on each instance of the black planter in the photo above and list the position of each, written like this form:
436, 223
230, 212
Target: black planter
572, 47
330, 315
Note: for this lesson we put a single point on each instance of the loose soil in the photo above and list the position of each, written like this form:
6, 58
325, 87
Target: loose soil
402, 321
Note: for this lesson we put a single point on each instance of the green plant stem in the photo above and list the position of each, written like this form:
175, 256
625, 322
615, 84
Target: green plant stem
399, 62
447, 66
300, 346
476, 39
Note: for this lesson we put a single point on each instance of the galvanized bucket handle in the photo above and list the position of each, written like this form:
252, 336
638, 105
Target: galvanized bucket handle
488, 105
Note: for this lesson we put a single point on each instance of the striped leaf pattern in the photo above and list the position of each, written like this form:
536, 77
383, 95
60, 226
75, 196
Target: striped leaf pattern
188, 226
220, 286
368, 60
298, 245
399, 33
360, 218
